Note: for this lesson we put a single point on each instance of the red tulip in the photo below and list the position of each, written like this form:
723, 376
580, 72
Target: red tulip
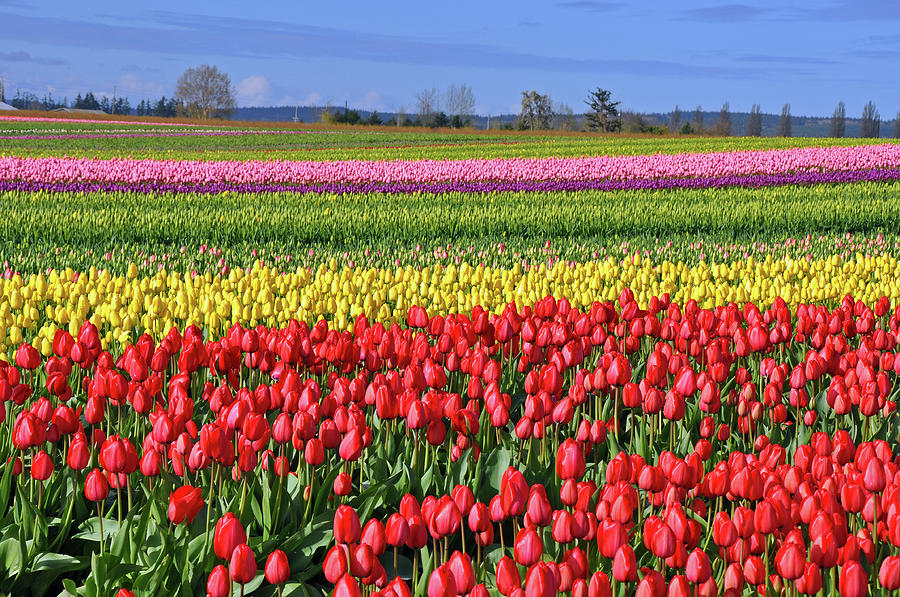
352, 445
342, 484
347, 587
242, 565
79, 454
441, 583
218, 584
396, 530
854, 582
540, 581
811, 581
790, 561
599, 585
698, 569
889, 574
528, 548
277, 568
361, 560
27, 357
335, 564
346, 525
41, 466
873, 477
679, 586
95, 486
625, 564
373, 535
570, 460
124, 593
507, 576
460, 566
184, 504
724, 531
662, 541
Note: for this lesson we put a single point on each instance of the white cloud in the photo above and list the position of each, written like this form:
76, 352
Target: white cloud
312, 99
371, 101
253, 91
136, 88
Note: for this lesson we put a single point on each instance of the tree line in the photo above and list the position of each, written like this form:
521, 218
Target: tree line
206, 92
24, 100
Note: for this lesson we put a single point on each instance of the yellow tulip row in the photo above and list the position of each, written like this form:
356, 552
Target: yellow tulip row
122, 307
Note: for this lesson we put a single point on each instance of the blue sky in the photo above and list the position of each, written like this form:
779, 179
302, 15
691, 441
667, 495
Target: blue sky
651, 54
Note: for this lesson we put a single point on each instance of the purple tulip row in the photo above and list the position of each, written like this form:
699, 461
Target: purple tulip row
544, 186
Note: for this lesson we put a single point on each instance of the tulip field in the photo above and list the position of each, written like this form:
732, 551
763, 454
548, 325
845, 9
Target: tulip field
262, 360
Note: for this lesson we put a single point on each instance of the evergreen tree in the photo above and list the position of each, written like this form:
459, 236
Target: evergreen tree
604, 113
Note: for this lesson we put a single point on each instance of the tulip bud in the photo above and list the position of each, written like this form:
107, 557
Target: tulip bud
242, 566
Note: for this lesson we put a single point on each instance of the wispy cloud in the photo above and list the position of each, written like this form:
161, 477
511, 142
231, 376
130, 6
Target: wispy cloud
529, 24
848, 10
590, 5
764, 59
724, 13
184, 34
26, 57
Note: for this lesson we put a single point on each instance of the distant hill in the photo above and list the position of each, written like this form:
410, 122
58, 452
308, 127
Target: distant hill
802, 126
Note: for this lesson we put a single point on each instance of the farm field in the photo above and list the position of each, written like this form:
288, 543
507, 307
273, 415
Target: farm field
244, 360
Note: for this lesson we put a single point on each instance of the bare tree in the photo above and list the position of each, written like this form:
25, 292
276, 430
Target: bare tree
723, 125
784, 125
635, 122
429, 104
564, 117
754, 122
675, 120
460, 104
838, 127
697, 121
870, 124
205, 92
536, 111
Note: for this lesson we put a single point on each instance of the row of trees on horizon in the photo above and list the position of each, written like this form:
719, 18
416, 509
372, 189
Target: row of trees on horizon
206, 92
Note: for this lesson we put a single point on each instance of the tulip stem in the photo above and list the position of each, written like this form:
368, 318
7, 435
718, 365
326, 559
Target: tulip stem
100, 521
243, 503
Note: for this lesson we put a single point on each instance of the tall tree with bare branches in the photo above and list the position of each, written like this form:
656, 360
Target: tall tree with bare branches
205, 92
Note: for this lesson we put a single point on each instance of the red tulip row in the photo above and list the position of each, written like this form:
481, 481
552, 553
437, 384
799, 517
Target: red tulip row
557, 387
814, 515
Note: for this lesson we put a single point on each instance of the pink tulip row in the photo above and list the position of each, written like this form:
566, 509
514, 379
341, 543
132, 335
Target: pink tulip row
5, 118
808, 159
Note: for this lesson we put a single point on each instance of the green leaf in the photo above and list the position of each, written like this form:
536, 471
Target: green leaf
10, 557
495, 464
70, 588
5, 485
